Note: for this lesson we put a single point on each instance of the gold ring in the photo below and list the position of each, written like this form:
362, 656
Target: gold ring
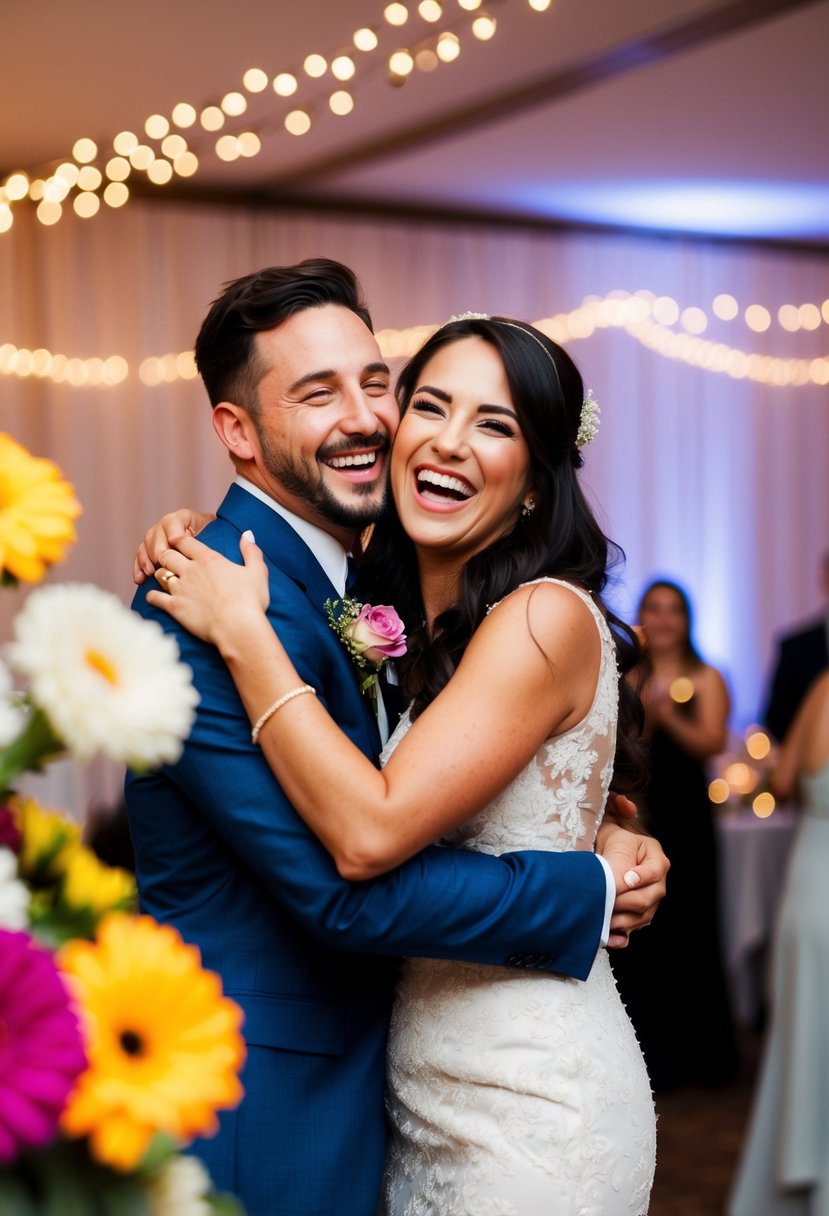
164, 577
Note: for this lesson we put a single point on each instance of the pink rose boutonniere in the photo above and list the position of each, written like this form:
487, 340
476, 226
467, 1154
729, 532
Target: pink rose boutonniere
371, 633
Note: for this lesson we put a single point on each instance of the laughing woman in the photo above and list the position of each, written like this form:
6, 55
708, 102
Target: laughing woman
510, 1091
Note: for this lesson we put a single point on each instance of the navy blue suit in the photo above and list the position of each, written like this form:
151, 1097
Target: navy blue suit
311, 958
801, 657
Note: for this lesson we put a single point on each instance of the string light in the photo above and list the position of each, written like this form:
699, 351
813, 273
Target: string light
448, 47
343, 67
484, 27
250, 144
365, 40
255, 80
315, 66
84, 150
172, 154
632, 312
212, 118
184, 115
401, 63
125, 142
341, 102
156, 126
298, 122
234, 104
285, 84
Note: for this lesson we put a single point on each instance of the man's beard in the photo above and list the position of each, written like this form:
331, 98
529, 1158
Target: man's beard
307, 484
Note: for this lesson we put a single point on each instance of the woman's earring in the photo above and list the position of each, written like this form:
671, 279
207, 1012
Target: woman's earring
528, 507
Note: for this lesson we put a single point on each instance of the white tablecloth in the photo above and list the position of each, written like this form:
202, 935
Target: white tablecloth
752, 864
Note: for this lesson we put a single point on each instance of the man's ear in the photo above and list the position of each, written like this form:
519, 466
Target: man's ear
234, 427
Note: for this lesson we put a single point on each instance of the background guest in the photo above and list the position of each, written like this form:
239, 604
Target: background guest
784, 1169
671, 977
801, 656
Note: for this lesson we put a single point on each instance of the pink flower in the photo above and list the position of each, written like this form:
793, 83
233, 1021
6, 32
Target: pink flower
41, 1049
378, 633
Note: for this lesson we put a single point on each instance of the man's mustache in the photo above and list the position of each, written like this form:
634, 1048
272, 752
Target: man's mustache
379, 440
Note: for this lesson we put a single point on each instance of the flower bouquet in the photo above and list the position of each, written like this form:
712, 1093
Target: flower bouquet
116, 1047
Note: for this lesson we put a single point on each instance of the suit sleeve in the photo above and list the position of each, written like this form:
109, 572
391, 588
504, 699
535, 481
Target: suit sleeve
784, 695
527, 909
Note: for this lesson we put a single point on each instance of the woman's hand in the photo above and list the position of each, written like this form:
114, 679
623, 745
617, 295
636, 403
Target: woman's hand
209, 595
161, 536
640, 869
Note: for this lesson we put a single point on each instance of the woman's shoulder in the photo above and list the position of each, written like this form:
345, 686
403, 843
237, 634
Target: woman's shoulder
549, 591
547, 610
707, 675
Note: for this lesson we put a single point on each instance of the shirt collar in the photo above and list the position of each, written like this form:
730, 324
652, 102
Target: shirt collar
329, 552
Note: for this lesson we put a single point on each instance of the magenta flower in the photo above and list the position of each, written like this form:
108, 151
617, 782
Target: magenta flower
10, 835
41, 1049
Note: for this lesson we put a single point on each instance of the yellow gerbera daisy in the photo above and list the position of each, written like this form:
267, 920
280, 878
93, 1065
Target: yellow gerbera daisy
37, 508
49, 839
91, 886
163, 1043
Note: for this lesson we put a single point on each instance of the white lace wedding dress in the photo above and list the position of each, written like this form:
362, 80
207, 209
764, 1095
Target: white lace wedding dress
519, 1092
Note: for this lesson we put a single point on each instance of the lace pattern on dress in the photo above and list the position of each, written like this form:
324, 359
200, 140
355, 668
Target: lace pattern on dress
523, 1093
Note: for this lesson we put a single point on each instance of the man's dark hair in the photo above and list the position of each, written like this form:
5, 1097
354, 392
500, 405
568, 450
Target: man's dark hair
226, 354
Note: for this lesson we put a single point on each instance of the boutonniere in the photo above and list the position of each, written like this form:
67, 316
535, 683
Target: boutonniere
371, 634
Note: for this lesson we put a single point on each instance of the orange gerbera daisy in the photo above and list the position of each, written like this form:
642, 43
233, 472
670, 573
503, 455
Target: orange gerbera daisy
163, 1043
37, 508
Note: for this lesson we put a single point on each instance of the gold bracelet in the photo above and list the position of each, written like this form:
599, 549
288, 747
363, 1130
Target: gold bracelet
271, 710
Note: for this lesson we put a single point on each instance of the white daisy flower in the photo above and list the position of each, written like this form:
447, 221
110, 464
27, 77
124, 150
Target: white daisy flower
14, 897
12, 714
179, 1189
107, 680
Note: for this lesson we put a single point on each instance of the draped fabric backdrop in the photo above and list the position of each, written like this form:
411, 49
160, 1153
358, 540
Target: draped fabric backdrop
718, 482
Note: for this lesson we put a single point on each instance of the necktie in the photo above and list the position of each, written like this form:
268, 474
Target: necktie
352, 579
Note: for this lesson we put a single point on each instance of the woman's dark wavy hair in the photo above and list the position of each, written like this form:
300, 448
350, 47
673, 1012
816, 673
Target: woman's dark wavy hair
560, 538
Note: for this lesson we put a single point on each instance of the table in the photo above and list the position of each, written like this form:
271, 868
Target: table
752, 865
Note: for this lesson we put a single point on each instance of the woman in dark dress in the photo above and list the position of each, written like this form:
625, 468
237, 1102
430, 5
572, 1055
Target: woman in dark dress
671, 977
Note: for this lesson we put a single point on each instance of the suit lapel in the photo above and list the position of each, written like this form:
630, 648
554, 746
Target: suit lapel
282, 546
286, 550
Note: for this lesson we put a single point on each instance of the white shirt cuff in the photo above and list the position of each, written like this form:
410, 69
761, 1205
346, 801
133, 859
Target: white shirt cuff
609, 899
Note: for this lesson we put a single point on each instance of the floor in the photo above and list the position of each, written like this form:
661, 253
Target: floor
699, 1135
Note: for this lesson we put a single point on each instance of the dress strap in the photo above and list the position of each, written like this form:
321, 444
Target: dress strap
585, 596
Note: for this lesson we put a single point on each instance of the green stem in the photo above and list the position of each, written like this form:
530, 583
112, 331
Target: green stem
30, 751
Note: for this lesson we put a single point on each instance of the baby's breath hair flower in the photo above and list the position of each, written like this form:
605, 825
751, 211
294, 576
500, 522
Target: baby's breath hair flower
588, 421
37, 508
163, 1043
106, 680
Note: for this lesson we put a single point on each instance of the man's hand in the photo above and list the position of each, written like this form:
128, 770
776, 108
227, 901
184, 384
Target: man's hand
640, 868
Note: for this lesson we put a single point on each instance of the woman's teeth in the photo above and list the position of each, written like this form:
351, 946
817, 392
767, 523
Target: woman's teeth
443, 483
